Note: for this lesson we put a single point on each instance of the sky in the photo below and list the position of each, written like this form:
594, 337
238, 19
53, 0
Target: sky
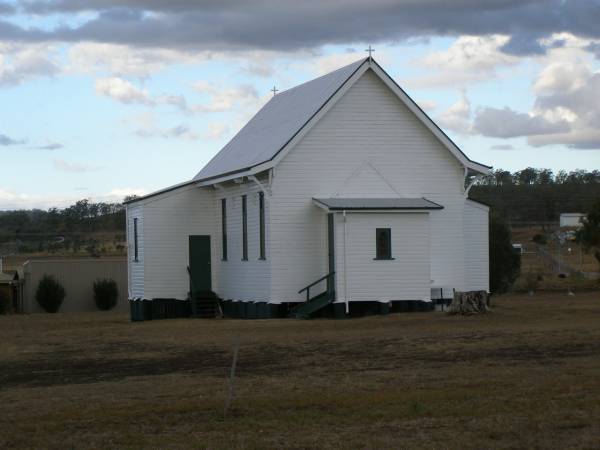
101, 99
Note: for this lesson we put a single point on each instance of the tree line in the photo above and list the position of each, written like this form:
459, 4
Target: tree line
538, 195
531, 176
83, 217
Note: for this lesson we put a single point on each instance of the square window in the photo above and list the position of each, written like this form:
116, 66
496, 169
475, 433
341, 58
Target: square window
383, 244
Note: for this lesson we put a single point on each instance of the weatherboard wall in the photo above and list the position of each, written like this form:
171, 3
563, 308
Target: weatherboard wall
362, 277
367, 145
242, 280
169, 220
476, 238
135, 268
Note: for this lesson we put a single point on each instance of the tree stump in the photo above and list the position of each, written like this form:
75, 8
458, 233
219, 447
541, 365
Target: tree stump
468, 303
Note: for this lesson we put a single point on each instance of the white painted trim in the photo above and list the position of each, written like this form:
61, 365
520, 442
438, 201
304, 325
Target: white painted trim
266, 191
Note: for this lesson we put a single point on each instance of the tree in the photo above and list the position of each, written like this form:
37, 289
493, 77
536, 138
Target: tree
505, 262
526, 176
589, 234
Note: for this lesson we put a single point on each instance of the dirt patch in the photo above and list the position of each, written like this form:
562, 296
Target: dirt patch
273, 360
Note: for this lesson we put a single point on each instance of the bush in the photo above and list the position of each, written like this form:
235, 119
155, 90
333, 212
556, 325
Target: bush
540, 239
50, 294
105, 294
505, 262
4, 303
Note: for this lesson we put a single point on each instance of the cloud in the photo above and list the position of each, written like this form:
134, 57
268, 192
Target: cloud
502, 147
6, 9
122, 91
146, 126
68, 167
566, 110
50, 146
122, 60
506, 123
216, 131
223, 99
19, 63
256, 24
469, 59
457, 117
427, 105
11, 200
6, 141
121, 193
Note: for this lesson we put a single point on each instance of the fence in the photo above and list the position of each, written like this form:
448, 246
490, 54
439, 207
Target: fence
77, 275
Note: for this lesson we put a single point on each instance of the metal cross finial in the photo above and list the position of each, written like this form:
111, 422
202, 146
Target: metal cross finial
274, 91
370, 50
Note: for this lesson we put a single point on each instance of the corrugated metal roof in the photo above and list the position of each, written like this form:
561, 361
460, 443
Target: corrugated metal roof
276, 124
337, 203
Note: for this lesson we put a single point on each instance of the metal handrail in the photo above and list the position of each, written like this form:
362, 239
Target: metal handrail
328, 277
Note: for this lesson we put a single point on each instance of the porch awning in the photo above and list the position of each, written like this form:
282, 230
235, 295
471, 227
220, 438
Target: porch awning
398, 203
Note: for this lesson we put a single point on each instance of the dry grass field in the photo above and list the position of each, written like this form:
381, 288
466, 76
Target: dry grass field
526, 375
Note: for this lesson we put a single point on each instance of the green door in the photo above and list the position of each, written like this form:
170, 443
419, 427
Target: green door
200, 264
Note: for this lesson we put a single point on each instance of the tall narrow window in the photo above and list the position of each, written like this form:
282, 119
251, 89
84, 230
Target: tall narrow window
135, 239
244, 228
383, 244
261, 208
224, 226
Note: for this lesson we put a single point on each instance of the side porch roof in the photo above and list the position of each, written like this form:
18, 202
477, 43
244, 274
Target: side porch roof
376, 204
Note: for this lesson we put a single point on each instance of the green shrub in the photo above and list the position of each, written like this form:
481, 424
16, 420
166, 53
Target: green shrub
4, 303
540, 239
505, 262
106, 294
50, 294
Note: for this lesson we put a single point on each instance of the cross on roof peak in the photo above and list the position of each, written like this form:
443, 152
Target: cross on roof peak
370, 50
274, 91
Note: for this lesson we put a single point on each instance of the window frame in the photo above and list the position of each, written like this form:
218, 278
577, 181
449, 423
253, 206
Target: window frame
387, 255
224, 229
244, 228
136, 248
261, 220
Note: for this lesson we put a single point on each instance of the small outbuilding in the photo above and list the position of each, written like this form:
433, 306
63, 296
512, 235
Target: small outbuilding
572, 220
11, 291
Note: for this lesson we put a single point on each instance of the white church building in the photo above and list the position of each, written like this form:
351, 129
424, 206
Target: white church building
339, 196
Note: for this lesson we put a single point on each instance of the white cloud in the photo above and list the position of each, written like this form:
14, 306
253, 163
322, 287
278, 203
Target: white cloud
122, 91
69, 167
469, 59
13, 200
146, 125
427, 105
123, 60
21, 62
457, 116
119, 194
216, 131
223, 99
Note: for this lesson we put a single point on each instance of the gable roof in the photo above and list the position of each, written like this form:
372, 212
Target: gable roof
276, 123
290, 112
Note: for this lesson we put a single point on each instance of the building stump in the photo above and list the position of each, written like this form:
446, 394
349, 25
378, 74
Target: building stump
468, 303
